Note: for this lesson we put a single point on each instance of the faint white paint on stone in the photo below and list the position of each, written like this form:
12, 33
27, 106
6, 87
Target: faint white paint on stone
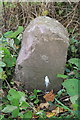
47, 81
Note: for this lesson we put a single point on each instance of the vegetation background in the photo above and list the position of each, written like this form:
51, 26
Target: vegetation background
15, 104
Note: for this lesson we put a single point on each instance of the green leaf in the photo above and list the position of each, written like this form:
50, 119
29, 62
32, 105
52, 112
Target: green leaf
1, 117
73, 49
16, 41
9, 108
60, 12
71, 86
6, 51
21, 115
24, 104
74, 98
15, 102
12, 43
7, 33
32, 97
15, 96
9, 60
15, 112
22, 99
12, 91
3, 75
36, 101
75, 107
60, 92
72, 41
28, 115
16, 33
62, 76
1, 70
21, 93
2, 64
39, 91
35, 92
75, 61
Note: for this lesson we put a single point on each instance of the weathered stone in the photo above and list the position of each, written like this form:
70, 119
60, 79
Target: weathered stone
43, 53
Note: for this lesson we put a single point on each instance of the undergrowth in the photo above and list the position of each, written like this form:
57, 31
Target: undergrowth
17, 104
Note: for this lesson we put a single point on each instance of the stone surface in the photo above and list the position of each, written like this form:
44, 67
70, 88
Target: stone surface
43, 53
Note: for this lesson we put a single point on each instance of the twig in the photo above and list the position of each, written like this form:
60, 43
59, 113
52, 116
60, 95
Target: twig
65, 107
72, 16
8, 84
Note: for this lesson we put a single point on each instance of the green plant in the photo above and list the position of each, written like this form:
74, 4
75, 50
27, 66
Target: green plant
71, 83
74, 63
8, 52
73, 90
35, 96
73, 47
17, 105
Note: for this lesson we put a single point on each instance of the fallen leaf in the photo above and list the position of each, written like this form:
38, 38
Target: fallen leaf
34, 116
71, 73
49, 96
58, 110
16, 46
50, 114
17, 83
42, 105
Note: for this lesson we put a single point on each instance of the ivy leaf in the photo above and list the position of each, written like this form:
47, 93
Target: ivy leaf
74, 61
71, 86
24, 104
74, 98
75, 107
7, 33
15, 112
36, 101
12, 94
15, 96
62, 76
15, 102
6, 51
36, 91
9, 60
16, 33
9, 108
28, 115
2, 64
21, 115
21, 93
32, 97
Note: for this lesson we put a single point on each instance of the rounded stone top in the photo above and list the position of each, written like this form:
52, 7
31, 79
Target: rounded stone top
44, 23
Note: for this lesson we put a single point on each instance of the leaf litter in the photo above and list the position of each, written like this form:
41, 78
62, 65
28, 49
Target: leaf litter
49, 101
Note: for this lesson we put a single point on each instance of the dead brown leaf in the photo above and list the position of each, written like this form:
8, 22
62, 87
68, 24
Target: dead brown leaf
16, 46
57, 110
42, 105
50, 114
17, 83
49, 96
34, 116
